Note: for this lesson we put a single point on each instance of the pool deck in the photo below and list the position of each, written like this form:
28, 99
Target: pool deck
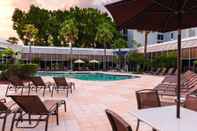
85, 107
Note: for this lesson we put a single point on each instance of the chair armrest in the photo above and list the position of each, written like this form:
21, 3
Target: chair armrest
13, 107
3, 100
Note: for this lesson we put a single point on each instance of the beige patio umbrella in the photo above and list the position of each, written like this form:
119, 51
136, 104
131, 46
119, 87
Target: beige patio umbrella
94, 61
79, 61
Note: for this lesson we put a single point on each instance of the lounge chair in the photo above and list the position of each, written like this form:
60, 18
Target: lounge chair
37, 82
117, 122
62, 84
170, 71
32, 106
191, 102
163, 71
157, 71
175, 72
188, 84
5, 110
16, 84
147, 98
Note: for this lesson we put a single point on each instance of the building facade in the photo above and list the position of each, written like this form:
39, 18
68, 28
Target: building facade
157, 37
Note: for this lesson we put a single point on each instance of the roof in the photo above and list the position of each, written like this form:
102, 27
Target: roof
58, 50
171, 45
166, 46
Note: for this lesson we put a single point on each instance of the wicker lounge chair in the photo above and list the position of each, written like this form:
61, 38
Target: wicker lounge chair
117, 122
147, 98
62, 84
38, 83
32, 109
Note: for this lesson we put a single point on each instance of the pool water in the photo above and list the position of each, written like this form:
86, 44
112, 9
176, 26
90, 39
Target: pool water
87, 76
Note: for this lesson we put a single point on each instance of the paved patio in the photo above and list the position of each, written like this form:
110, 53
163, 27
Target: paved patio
85, 107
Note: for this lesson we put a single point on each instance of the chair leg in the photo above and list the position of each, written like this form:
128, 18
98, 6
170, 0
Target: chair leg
57, 116
22, 91
49, 88
47, 121
36, 89
44, 91
4, 122
71, 91
52, 91
138, 124
29, 89
6, 93
13, 120
67, 92
29, 115
65, 106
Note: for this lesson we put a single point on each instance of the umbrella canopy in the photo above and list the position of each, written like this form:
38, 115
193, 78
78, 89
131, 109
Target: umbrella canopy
79, 61
93, 61
157, 15
121, 53
154, 15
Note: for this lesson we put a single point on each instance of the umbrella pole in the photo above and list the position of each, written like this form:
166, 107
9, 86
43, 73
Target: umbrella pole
179, 73
179, 70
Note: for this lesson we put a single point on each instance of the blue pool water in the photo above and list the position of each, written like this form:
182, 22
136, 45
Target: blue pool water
87, 76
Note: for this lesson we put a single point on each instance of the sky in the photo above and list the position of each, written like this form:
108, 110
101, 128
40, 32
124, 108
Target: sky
7, 8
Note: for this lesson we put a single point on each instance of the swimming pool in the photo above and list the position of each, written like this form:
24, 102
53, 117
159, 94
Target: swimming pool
87, 76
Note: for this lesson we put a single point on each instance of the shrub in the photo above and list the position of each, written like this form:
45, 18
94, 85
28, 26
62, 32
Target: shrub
23, 71
3, 67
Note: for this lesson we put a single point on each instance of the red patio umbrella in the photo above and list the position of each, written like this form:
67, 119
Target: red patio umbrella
157, 15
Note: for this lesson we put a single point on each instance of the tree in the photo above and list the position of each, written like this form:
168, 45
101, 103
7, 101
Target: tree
137, 60
146, 33
19, 20
69, 31
30, 36
30, 33
120, 43
69, 34
104, 36
12, 40
49, 24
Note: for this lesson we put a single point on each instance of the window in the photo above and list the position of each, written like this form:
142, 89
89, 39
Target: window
160, 37
172, 35
125, 34
191, 32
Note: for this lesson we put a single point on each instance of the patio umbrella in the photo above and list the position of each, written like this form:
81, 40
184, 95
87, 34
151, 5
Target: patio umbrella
79, 61
157, 15
94, 61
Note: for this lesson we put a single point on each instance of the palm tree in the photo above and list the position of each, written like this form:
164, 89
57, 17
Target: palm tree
146, 33
104, 36
118, 44
30, 36
69, 34
13, 40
